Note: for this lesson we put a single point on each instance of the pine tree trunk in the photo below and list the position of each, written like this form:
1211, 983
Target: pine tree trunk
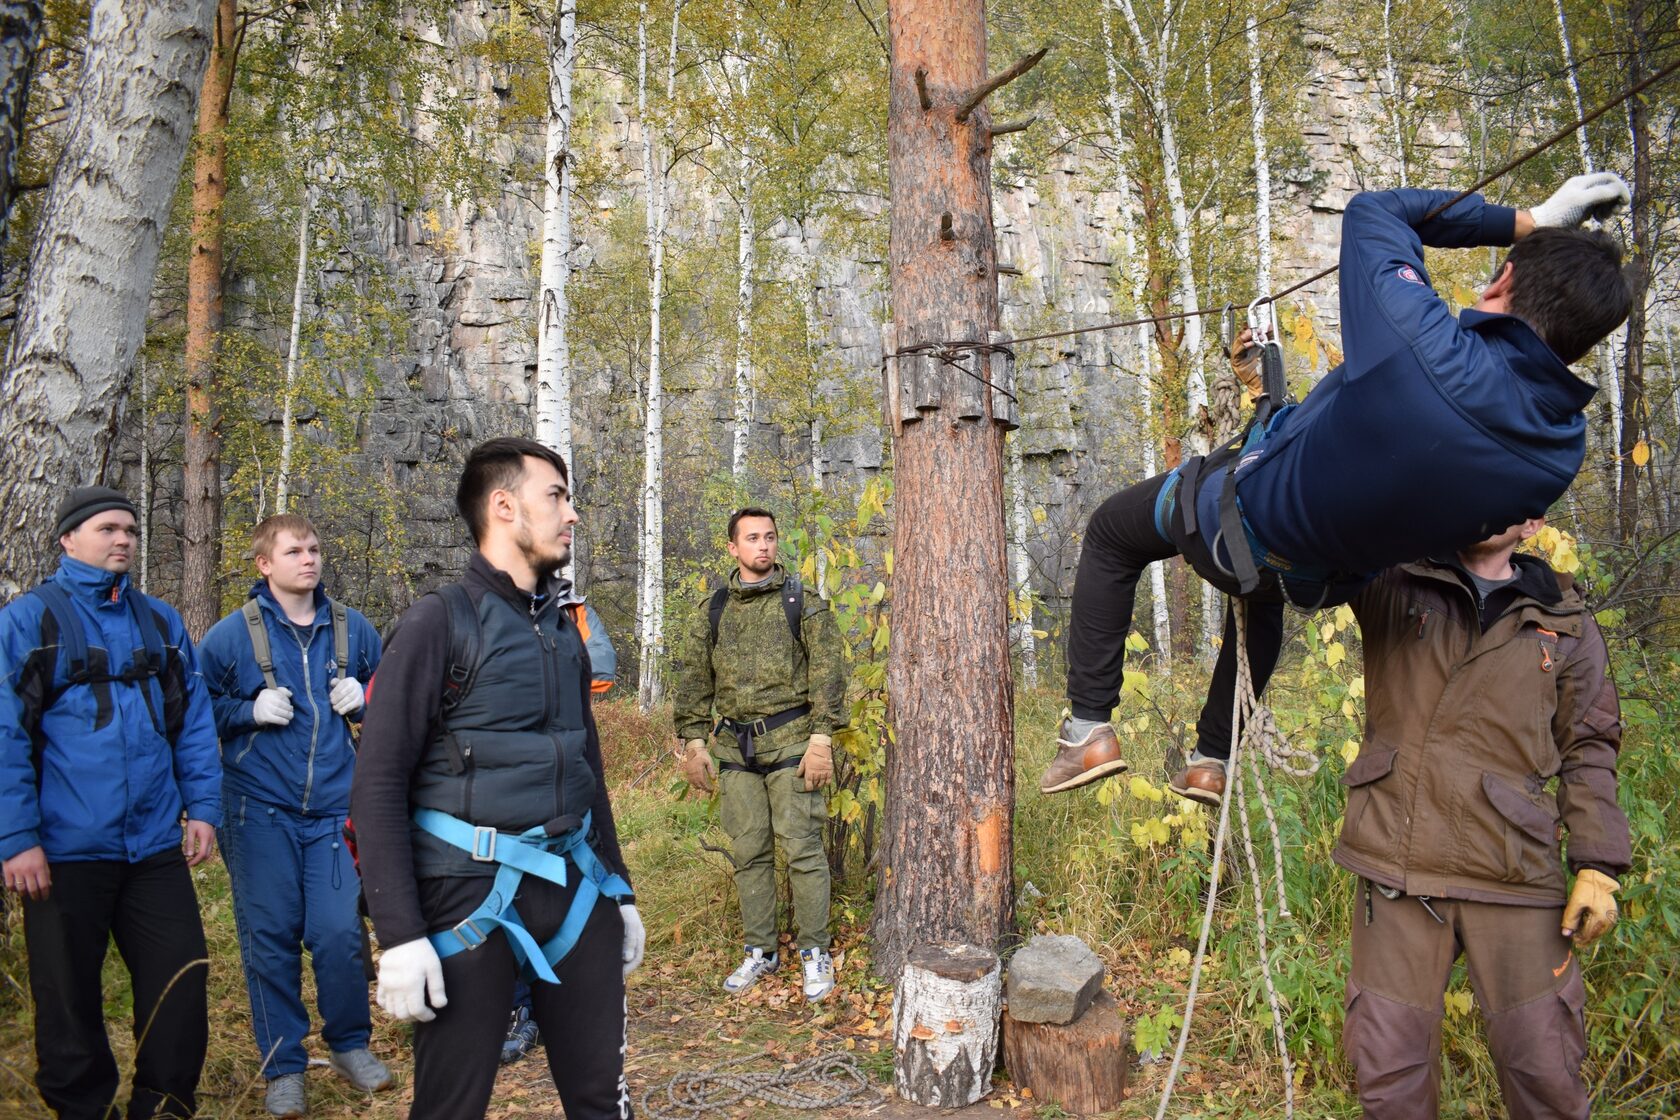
20, 37
1633, 404
82, 314
554, 372
950, 771
201, 454
288, 425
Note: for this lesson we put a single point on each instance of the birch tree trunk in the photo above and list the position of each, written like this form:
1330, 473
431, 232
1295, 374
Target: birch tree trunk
201, 452
1119, 132
651, 614
1023, 561
1632, 402
1391, 102
554, 366
744, 260
951, 768
82, 314
1573, 79
1262, 161
20, 38
288, 426
145, 473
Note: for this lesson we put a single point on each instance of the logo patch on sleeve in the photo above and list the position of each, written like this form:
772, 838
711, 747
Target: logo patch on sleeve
1409, 274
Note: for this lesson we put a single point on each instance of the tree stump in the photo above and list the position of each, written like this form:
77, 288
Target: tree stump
945, 1016
1080, 1066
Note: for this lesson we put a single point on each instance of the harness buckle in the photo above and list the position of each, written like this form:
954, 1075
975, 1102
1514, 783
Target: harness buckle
483, 844
466, 925
757, 728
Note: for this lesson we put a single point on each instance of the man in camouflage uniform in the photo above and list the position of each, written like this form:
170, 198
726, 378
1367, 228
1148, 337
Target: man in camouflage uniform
765, 658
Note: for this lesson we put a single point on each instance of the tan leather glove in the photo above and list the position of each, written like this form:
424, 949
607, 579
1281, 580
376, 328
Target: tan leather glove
817, 767
1245, 362
1592, 907
697, 765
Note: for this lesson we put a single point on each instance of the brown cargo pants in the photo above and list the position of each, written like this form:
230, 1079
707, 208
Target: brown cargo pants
1527, 985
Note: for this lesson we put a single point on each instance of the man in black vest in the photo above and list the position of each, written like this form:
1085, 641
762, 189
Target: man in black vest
479, 788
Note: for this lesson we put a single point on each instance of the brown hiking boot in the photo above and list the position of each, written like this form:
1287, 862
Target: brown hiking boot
1202, 780
1095, 756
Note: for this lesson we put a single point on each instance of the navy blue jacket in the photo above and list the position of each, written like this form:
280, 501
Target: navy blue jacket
110, 786
306, 765
1436, 431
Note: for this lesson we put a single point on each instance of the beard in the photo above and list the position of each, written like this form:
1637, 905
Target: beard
544, 556
759, 568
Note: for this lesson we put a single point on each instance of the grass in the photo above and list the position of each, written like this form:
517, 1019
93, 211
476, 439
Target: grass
1137, 906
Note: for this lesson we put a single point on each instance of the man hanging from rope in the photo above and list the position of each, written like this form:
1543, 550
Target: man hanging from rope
1435, 432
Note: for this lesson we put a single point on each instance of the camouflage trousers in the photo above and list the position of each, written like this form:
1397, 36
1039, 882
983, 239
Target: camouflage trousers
759, 811
1527, 984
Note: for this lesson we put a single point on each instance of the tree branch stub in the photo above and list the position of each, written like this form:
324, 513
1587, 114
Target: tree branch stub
993, 84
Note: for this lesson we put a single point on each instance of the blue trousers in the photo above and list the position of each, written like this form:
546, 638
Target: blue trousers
294, 888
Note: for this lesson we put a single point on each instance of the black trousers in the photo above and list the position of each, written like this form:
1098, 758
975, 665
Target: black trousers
150, 910
582, 1018
1120, 542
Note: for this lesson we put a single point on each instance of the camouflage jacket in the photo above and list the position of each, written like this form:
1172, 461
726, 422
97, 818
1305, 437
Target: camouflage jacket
757, 669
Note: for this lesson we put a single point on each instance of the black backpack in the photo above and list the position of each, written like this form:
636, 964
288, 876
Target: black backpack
793, 605
157, 669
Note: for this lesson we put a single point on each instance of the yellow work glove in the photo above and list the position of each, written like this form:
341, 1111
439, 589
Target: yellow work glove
1592, 906
1245, 362
817, 767
697, 765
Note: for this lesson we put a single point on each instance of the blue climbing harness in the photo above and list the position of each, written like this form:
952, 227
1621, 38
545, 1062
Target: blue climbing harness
534, 852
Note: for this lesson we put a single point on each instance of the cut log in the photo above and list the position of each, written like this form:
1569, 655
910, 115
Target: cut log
945, 1024
1080, 1066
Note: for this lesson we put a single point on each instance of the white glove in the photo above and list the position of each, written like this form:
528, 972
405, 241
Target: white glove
346, 696
635, 938
272, 707
1585, 196
410, 975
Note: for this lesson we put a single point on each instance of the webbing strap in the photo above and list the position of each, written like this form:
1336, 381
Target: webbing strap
145, 667
260, 649
520, 854
746, 732
762, 768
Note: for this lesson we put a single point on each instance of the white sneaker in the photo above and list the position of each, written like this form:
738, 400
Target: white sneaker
751, 970
819, 973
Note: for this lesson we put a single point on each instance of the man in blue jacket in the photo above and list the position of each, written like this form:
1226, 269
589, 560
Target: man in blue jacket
287, 675
1436, 431
106, 743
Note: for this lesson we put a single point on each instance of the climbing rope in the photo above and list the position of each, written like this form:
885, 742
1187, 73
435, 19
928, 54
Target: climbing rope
1254, 734
833, 1080
950, 347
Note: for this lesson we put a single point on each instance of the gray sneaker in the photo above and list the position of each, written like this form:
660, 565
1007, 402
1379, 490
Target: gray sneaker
361, 1069
285, 1096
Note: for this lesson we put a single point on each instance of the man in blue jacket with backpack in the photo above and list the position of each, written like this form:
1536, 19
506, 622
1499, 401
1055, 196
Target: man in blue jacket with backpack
287, 673
1436, 432
106, 745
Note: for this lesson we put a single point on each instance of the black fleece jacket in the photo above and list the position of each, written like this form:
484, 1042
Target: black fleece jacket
404, 706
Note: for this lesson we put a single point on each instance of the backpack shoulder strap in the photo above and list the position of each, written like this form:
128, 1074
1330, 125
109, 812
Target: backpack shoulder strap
793, 603
465, 642
341, 637
260, 649
71, 637
151, 637
714, 611
165, 672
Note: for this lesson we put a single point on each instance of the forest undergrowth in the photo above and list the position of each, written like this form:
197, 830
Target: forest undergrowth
1121, 866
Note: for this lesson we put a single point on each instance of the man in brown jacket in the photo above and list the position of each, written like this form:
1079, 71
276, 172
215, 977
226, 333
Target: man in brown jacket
1492, 730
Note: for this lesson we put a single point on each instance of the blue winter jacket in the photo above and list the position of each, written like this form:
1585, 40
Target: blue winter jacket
1436, 431
109, 785
306, 765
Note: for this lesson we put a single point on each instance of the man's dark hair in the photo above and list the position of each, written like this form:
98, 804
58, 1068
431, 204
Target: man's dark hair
497, 464
748, 511
1569, 286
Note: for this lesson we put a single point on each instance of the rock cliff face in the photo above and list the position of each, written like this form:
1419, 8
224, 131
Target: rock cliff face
467, 369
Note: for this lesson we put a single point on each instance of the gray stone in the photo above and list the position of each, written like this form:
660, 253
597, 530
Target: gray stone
1053, 979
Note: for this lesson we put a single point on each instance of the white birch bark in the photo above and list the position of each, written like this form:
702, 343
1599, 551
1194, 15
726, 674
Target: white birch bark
652, 605
1609, 364
82, 314
744, 262
1144, 363
1574, 85
288, 426
1023, 560
145, 472
554, 367
1673, 374
1391, 99
1262, 163
1156, 56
